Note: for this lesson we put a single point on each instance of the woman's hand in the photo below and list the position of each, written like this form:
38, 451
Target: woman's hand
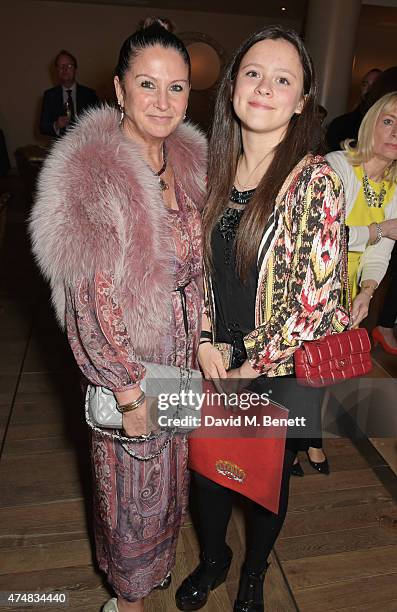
135, 422
360, 307
245, 371
211, 363
389, 228
238, 378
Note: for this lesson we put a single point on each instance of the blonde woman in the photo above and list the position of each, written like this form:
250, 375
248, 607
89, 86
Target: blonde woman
369, 175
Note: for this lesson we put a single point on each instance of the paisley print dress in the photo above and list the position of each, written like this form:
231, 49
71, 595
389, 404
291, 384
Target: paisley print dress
138, 505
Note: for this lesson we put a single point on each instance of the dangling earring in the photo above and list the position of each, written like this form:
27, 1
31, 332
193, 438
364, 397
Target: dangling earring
121, 109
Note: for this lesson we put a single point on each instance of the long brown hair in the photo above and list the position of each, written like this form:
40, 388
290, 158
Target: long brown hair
303, 135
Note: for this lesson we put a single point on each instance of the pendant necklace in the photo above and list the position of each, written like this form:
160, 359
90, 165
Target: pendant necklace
244, 187
374, 200
163, 185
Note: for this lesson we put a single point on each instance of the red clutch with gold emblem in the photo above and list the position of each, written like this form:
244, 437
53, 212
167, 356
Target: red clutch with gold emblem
241, 448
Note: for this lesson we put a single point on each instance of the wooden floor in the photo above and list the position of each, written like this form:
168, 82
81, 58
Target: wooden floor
337, 550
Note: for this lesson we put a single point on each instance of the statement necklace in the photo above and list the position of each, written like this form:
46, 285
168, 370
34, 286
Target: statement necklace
241, 197
374, 200
163, 185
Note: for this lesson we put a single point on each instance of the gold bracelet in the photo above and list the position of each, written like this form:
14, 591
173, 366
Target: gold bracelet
132, 405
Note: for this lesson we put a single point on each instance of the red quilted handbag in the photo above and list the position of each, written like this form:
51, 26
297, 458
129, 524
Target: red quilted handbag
336, 357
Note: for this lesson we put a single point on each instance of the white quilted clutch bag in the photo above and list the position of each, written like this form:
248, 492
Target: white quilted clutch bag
161, 381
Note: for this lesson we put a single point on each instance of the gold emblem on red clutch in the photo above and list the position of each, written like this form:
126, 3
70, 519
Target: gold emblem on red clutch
230, 470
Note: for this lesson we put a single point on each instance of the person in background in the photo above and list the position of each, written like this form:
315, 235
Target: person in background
368, 170
65, 102
369, 173
116, 229
347, 125
383, 333
384, 84
271, 231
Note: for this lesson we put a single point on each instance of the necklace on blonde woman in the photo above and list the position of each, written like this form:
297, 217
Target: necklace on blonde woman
374, 200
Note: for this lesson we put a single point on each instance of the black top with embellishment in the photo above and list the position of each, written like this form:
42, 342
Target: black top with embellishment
234, 300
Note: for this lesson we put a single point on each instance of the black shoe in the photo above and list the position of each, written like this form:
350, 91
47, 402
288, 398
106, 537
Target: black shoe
209, 574
250, 591
321, 466
297, 470
164, 584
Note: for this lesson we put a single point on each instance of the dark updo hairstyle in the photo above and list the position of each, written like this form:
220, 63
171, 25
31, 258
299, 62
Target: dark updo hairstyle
152, 35
148, 21
303, 135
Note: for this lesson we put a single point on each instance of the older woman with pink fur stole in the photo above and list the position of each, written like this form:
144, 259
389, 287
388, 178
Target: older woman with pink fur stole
116, 231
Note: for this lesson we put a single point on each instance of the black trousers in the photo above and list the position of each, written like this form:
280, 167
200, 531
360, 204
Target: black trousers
212, 508
315, 442
388, 314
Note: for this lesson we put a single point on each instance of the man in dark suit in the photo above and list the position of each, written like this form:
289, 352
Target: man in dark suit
63, 103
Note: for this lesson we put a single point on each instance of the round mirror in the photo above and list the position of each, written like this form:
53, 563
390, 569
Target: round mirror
207, 58
206, 65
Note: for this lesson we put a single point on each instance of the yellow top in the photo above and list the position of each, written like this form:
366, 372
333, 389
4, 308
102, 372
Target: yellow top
362, 214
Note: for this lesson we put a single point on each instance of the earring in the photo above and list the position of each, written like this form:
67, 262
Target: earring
184, 116
121, 109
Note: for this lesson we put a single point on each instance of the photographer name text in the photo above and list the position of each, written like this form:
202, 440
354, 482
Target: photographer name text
230, 421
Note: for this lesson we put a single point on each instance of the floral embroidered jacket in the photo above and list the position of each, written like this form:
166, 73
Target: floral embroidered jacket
299, 286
